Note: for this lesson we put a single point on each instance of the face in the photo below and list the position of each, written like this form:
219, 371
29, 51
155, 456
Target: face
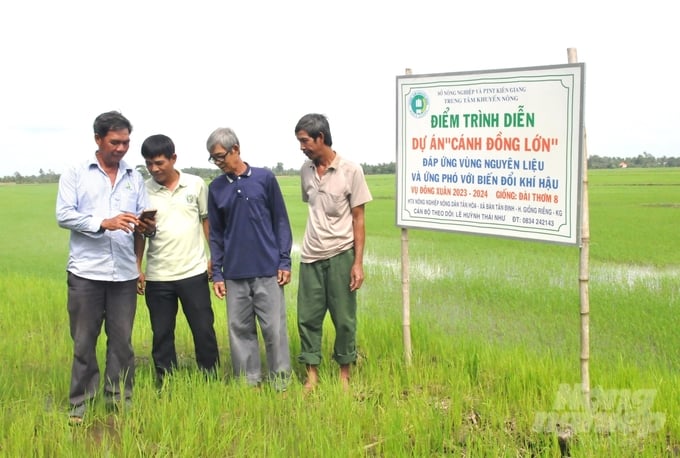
161, 168
113, 146
227, 161
310, 146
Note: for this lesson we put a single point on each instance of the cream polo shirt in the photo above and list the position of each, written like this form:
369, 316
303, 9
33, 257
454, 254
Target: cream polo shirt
177, 251
330, 199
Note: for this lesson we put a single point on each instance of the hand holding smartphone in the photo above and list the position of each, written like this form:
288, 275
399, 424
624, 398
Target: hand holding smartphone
148, 214
146, 219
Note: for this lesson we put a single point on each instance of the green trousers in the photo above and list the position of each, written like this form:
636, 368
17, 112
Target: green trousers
324, 286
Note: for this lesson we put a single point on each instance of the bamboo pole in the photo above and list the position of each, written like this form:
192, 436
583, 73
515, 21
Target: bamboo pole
405, 293
584, 275
406, 312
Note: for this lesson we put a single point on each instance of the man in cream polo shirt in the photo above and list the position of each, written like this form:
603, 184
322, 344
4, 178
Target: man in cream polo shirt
177, 268
332, 252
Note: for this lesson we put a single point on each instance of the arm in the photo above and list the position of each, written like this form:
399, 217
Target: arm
146, 223
216, 242
202, 203
140, 245
358, 227
282, 231
206, 234
71, 216
68, 214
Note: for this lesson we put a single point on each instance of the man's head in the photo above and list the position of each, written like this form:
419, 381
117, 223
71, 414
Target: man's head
159, 154
111, 120
224, 149
314, 134
315, 125
112, 135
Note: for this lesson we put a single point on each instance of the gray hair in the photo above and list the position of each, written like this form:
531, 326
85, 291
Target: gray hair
223, 136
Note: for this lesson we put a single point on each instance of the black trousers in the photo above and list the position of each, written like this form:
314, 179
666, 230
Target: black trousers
162, 299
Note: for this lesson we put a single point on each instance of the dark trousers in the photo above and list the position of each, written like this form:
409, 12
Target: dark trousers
91, 303
162, 300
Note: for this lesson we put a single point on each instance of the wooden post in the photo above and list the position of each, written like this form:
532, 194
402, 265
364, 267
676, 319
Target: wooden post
406, 312
405, 293
584, 275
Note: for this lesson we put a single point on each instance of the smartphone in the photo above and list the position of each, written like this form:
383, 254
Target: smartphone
147, 214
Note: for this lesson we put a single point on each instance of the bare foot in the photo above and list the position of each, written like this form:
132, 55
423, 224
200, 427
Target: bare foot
312, 379
309, 387
344, 377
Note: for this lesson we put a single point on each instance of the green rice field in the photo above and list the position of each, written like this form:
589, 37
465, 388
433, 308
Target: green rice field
495, 328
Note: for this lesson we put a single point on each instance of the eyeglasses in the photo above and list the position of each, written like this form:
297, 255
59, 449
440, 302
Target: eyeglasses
218, 158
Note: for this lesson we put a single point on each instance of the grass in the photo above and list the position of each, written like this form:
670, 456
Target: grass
494, 324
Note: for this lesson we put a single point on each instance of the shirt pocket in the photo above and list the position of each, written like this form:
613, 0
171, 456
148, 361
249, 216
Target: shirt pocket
334, 205
125, 199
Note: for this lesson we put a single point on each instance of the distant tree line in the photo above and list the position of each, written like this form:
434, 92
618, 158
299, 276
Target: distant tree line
642, 160
645, 160
42, 177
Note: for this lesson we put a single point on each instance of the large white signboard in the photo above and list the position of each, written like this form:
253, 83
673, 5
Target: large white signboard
495, 152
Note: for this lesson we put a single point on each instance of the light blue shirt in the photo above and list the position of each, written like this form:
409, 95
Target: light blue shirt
85, 198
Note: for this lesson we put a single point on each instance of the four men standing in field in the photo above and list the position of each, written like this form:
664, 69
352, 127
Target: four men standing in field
243, 216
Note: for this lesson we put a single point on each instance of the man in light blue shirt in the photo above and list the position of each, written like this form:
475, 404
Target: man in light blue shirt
98, 201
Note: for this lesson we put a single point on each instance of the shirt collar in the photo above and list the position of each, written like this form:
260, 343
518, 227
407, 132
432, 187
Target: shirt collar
335, 163
231, 177
122, 165
156, 186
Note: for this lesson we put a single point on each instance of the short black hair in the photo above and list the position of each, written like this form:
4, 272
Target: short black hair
111, 120
157, 145
315, 124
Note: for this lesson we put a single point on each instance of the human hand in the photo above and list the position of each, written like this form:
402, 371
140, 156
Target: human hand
283, 277
356, 277
146, 226
220, 289
141, 283
122, 222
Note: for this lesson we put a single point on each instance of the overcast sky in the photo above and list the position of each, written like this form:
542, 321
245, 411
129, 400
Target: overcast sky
185, 68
